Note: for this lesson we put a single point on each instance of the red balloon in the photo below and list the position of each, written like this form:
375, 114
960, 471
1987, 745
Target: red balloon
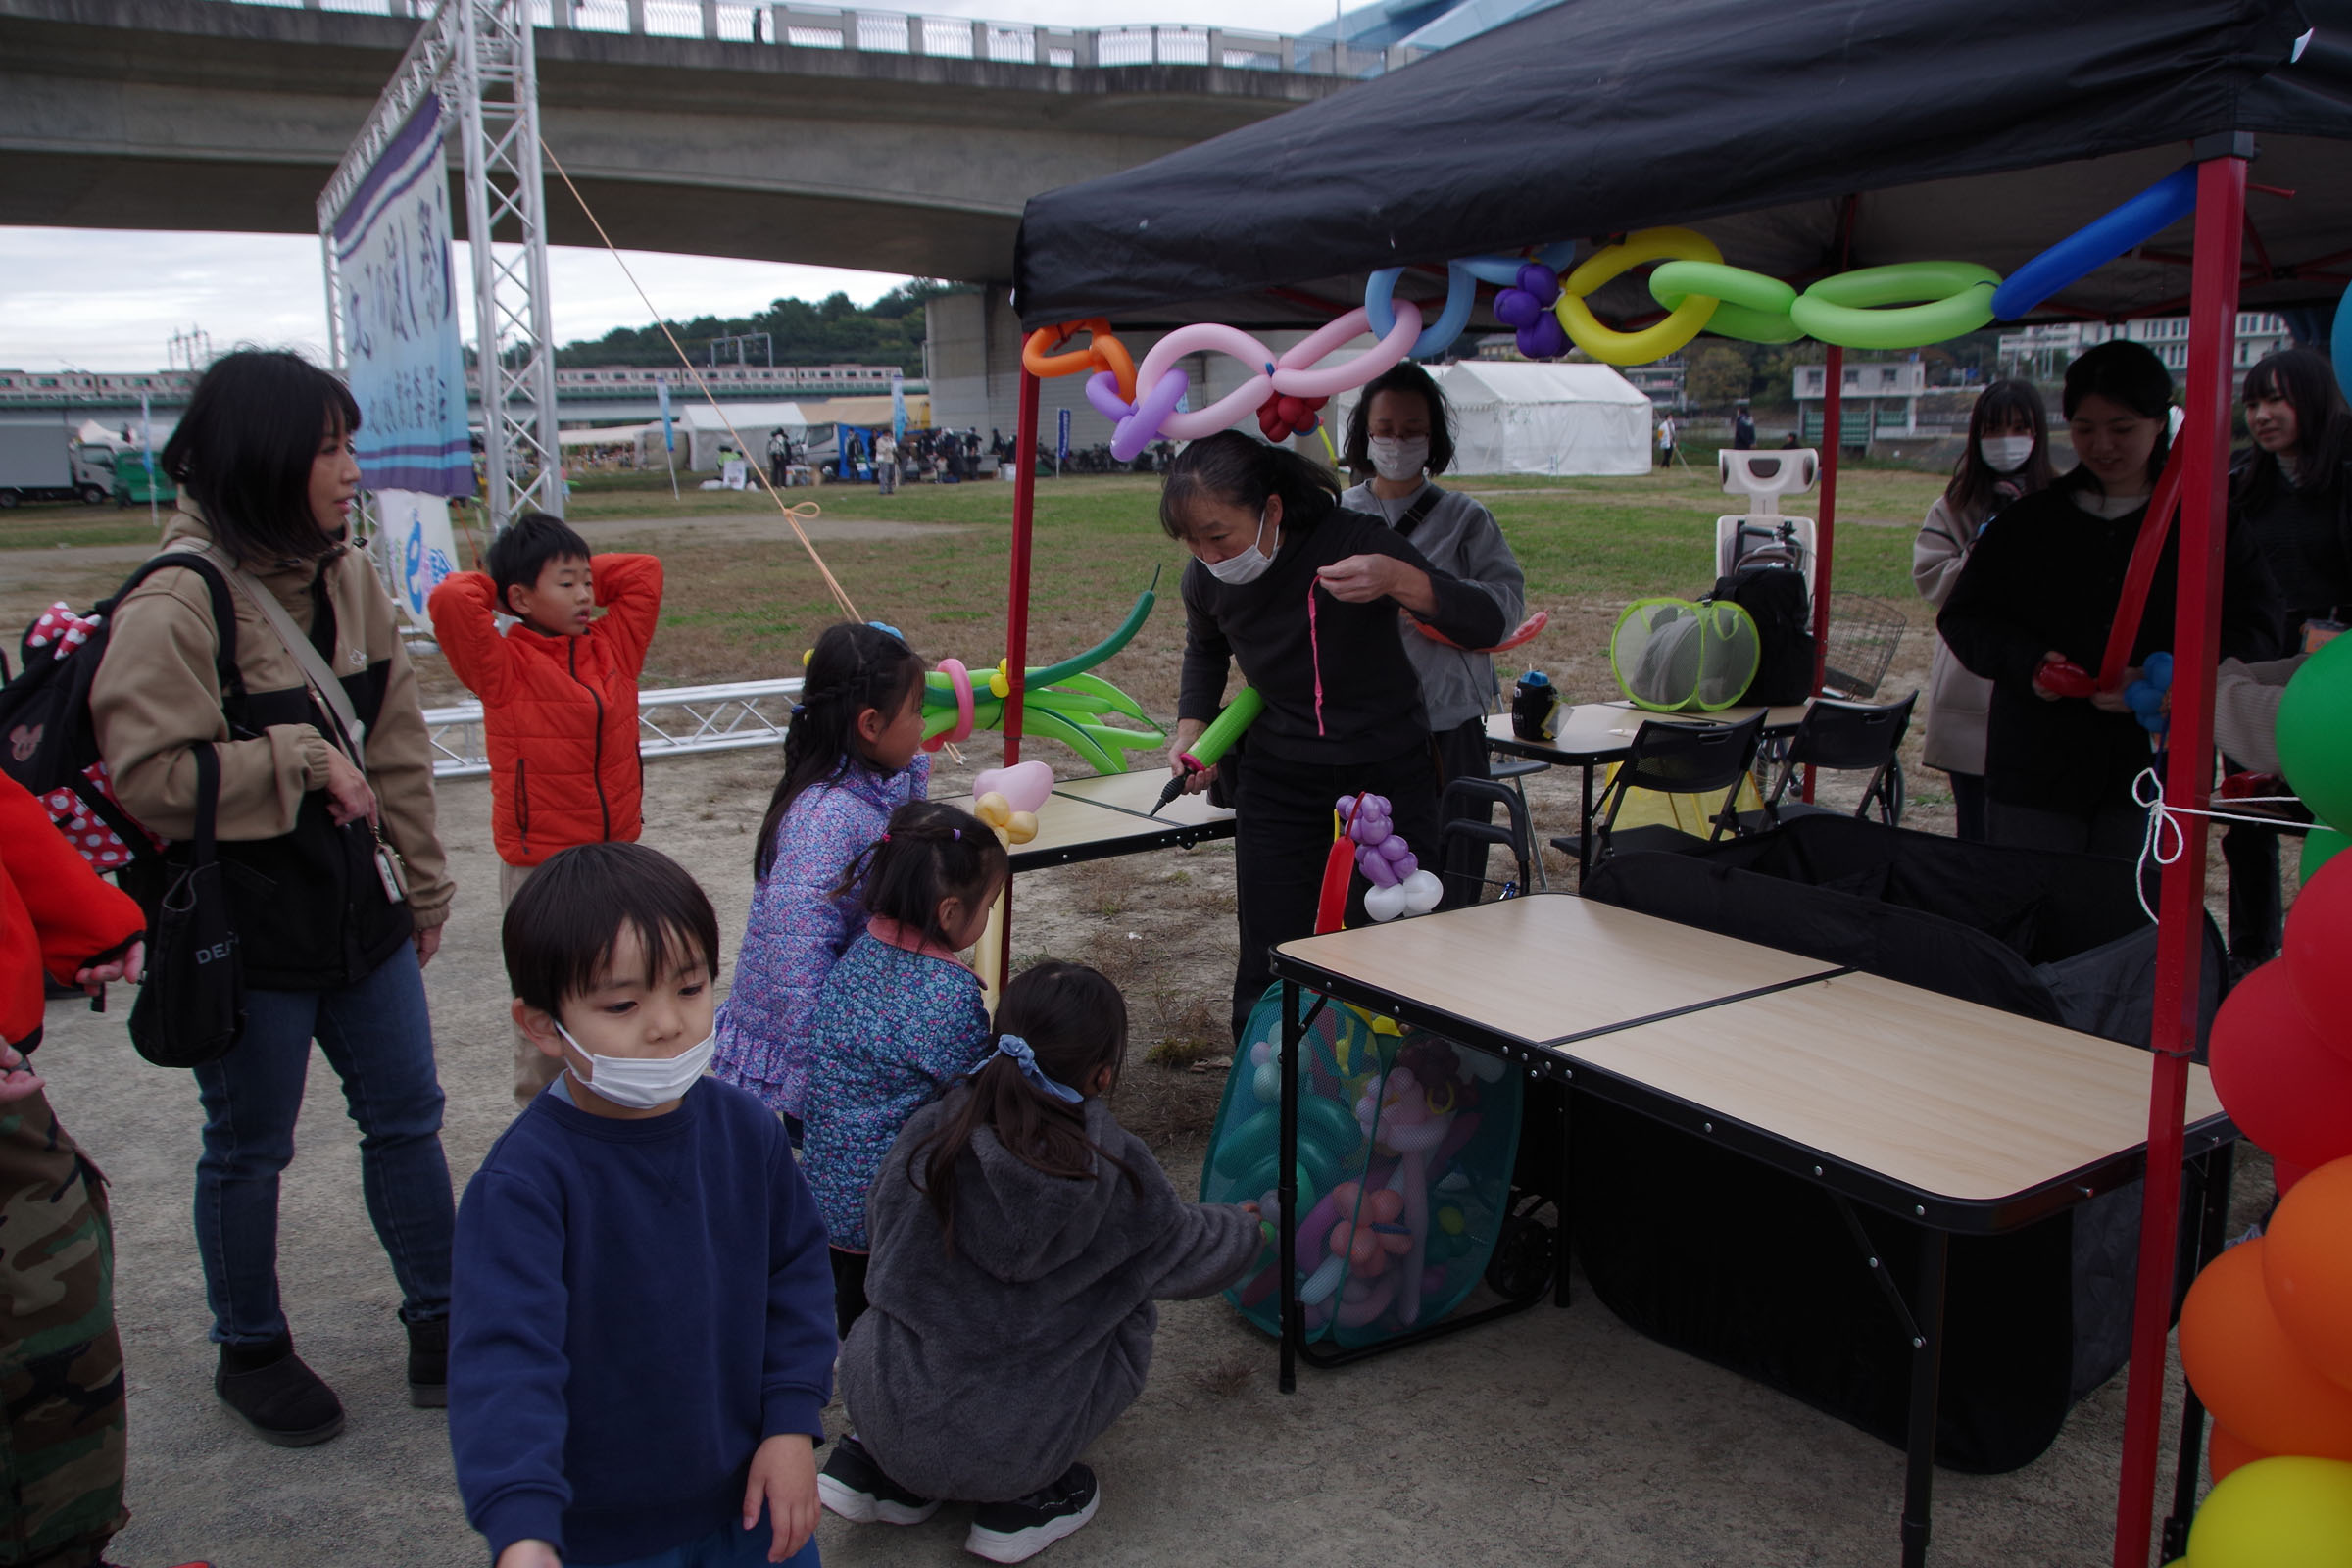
2249, 1373
2319, 937
2285, 1090
2285, 1176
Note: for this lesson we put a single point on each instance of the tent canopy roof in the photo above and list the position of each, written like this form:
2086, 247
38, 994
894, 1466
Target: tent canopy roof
1800, 137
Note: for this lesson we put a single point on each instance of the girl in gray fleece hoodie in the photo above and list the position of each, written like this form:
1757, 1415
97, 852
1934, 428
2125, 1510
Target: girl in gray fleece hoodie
1021, 1238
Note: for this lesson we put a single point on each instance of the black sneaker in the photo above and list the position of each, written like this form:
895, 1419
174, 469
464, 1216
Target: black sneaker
1017, 1530
853, 1487
428, 1363
284, 1402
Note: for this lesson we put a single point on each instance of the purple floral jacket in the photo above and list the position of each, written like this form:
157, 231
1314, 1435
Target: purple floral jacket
799, 930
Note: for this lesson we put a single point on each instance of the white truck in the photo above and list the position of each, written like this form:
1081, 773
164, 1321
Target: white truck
42, 461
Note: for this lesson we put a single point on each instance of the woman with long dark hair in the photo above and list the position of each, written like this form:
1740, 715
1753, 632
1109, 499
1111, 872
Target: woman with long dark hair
1303, 595
1399, 440
2041, 590
317, 820
2291, 492
2008, 456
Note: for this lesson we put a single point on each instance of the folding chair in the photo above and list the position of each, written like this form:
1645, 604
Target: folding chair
1513, 770
1518, 837
1844, 738
1674, 759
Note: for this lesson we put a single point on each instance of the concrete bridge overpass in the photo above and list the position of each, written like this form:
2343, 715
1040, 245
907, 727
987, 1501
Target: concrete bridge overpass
769, 131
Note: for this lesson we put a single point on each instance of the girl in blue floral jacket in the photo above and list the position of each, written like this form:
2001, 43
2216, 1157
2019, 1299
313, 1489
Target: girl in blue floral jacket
899, 1017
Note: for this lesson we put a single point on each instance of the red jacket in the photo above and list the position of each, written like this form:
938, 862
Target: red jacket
559, 714
56, 913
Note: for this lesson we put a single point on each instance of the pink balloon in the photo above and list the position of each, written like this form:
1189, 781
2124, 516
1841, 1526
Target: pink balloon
1291, 373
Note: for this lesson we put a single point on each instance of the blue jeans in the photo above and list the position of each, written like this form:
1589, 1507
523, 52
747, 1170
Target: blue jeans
379, 1039
729, 1547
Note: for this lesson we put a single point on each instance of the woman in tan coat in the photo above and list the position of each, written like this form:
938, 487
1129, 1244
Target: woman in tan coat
333, 873
2008, 456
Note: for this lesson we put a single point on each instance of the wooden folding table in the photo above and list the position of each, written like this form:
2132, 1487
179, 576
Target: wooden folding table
1958, 1117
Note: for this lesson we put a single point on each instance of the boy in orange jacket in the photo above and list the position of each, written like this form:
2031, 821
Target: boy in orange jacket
558, 695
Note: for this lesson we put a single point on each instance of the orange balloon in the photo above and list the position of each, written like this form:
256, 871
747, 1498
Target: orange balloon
2226, 1451
2246, 1370
2285, 1176
2307, 1267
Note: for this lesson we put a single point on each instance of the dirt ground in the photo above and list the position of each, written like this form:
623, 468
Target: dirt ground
1552, 1437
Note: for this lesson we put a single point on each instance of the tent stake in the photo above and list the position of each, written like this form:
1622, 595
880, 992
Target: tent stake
2179, 929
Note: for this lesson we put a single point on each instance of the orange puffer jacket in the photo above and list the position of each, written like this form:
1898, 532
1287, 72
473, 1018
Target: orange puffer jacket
559, 714
56, 914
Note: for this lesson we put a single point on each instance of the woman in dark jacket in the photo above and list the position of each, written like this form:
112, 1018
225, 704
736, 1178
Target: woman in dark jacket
316, 828
1343, 710
2291, 491
2043, 586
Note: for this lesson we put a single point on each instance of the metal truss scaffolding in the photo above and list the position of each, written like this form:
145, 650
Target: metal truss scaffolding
672, 721
476, 54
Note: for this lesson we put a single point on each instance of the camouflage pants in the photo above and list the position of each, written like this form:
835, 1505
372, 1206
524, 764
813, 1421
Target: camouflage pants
60, 1366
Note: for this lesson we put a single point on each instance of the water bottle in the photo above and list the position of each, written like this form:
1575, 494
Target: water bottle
1535, 705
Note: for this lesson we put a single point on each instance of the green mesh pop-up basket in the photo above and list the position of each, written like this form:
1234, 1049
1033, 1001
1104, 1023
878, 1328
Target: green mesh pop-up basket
1406, 1145
1671, 655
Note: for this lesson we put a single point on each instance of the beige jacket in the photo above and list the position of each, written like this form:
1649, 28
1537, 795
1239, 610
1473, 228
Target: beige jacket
1959, 702
2245, 710
157, 695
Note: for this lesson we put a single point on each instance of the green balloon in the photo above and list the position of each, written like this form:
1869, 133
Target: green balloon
2319, 845
2314, 733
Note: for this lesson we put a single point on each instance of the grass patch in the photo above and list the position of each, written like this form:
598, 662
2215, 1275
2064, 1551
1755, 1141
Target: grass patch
38, 525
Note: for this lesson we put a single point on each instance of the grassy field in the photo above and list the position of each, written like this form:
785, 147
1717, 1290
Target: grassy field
48, 524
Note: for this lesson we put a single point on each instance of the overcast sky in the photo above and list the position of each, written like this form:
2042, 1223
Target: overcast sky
110, 299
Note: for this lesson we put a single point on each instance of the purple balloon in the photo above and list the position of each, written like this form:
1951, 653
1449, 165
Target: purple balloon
1103, 391
1394, 847
1381, 873
1539, 281
1346, 804
1545, 340
1373, 832
1513, 306
1372, 808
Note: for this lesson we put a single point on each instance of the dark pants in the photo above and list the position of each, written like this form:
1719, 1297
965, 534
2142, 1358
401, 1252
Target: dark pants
1282, 836
848, 1288
1462, 863
2115, 831
2255, 911
1968, 807
379, 1039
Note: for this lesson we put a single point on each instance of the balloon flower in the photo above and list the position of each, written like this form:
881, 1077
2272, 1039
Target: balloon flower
1059, 702
2150, 697
1399, 883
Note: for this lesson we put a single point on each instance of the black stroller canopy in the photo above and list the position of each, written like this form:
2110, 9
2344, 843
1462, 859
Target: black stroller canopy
1970, 130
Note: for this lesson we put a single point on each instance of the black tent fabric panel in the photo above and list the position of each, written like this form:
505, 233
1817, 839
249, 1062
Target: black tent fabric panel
1593, 118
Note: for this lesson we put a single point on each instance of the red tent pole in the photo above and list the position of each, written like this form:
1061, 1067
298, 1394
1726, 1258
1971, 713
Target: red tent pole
1017, 607
1825, 528
2179, 929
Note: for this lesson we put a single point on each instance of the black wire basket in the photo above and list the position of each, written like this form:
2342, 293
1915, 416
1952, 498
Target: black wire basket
1864, 634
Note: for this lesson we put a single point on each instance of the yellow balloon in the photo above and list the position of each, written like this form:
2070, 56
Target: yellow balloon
1657, 340
1022, 827
2285, 1512
994, 810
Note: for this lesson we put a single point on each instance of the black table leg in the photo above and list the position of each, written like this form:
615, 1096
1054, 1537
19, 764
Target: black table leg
2212, 1175
1926, 1370
1584, 842
1286, 1188
1561, 1199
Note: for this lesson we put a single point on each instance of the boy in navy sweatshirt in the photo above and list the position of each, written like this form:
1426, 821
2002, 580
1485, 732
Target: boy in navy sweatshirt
640, 1334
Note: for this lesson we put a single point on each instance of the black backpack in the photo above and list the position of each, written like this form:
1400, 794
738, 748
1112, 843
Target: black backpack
1774, 598
47, 741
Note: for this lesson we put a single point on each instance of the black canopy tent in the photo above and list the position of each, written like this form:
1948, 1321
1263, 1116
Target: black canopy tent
1803, 138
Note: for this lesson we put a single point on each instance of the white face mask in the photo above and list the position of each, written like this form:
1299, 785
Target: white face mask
2005, 453
1396, 461
640, 1083
1246, 565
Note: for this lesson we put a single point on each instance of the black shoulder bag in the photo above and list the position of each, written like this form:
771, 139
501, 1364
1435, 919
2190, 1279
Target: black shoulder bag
191, 1007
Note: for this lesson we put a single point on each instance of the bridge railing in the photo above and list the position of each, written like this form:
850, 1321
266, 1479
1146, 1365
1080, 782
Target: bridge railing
853, 30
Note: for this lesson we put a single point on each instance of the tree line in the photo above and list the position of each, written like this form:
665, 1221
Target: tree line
829, 331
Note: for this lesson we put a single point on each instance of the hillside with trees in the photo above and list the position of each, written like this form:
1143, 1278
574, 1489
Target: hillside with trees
832, 332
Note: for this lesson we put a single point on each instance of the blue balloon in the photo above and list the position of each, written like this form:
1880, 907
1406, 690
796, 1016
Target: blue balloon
2098, 242
2158, 670
1461, 294
2340, 342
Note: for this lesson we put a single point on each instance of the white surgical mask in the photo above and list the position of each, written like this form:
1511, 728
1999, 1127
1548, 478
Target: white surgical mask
1396, 461
640, 1083
2005, 453
1246, 565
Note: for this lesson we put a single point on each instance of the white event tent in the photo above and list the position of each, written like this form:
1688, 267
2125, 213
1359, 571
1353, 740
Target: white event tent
1524, 418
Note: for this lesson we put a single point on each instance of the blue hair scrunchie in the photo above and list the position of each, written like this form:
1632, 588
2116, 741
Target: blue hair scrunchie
1017, 1048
